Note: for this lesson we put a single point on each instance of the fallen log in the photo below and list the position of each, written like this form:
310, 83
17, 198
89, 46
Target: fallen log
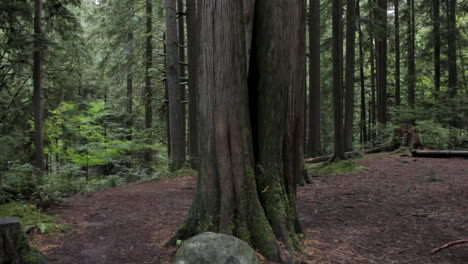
14, 244
453, 243
349, 155
440, 153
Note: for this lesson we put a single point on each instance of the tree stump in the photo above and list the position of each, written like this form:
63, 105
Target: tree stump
14, 246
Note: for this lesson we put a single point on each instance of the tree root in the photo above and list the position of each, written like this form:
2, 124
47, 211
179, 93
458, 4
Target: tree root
453, 243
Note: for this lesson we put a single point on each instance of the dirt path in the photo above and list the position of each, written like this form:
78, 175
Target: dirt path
386, 214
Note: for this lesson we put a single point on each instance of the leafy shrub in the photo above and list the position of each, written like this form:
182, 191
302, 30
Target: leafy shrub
68, 179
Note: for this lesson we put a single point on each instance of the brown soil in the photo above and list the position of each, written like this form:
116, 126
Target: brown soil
388, 213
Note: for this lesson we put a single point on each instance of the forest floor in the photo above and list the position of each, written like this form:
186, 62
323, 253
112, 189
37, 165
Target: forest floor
395, 211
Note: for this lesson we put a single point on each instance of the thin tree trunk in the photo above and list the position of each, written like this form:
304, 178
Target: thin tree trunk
436, 36
337, 58
37, 93
192, 35
372, 107
397, 53
314, 137
166, 99
462, 64
411, 59
362, 78
130, 87
452, 48
297, 93
148, 93
349, 73
381, 16
176, 106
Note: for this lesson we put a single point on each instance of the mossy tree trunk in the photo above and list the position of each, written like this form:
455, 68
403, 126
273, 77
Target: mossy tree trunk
249, 108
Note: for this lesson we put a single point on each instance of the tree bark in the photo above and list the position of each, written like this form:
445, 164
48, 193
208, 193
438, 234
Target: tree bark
15, 247
337, 57
176, 107
193, 51
452, 48
314, 136
436, 36
381, 37
39, 161
373, 101
363, 126
148, 93
130, 87
246, 183
349, 73
411, 55
397, 53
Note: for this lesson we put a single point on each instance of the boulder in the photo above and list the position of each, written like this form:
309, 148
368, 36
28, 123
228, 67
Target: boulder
213, 248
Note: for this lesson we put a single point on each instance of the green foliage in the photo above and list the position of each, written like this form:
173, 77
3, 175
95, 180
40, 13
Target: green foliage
433, 177
32, 218
67, 179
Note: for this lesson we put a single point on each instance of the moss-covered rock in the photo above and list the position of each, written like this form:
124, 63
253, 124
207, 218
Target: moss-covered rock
213, 248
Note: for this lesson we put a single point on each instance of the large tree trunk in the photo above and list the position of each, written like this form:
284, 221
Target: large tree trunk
381, 36
411, 56
314, 141
436, 36
193, 50
337, 58
349, 73
37, 93
246, 183
452, 48
148, 94
397, 52
176, 106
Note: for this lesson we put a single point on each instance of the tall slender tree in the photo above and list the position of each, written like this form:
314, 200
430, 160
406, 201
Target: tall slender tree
192, 35
373, 100
363, 134
349, 73
37, 93
314, 136
452, 48
176, 106
436, 37
337, 58
129, 122
381, 53
411, 56
148, 91
397, 52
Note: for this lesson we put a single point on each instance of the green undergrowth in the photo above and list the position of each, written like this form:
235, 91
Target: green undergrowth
184, 171
32, 218
339, 167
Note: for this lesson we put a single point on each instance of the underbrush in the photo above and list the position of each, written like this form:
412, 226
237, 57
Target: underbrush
33, 219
